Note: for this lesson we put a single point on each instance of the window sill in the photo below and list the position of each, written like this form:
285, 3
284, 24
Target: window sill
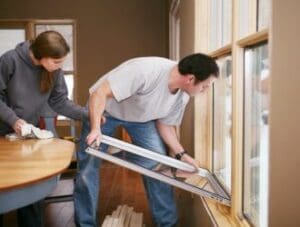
220, 214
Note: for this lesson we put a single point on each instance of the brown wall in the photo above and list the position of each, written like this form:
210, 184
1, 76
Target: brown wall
284, 182
108, 31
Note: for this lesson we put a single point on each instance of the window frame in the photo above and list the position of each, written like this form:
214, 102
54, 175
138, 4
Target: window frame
236, 47
247, 46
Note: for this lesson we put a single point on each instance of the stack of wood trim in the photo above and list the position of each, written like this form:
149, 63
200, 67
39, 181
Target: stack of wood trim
123, 216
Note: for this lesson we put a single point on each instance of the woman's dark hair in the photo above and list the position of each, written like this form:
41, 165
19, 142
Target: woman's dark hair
48, 44
200, 65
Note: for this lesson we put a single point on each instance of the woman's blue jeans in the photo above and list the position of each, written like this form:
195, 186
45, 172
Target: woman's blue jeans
160, 195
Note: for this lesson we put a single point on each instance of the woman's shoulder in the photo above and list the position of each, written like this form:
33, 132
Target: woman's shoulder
9, 60
9, 56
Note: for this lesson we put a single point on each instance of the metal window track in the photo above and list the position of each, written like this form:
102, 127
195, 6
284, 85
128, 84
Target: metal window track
151, 155
157, 176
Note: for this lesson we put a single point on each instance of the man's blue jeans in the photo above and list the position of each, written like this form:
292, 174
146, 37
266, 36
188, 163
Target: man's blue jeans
160, 195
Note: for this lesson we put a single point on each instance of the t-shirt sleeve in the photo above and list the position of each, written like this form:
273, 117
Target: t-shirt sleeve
125, 81
176, 114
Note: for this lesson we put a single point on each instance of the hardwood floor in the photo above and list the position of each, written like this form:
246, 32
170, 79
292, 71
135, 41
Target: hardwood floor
118, 186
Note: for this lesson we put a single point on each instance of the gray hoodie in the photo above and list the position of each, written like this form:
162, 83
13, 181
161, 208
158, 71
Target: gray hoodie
20, 95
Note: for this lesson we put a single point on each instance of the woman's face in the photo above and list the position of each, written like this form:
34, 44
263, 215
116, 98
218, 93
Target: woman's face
52, 64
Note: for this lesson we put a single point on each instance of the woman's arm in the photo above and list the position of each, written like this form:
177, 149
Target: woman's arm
60, 103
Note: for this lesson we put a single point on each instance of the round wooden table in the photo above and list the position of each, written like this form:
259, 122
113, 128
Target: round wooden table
30, 169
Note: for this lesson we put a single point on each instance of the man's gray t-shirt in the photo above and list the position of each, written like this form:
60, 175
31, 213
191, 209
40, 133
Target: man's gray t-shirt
140, 88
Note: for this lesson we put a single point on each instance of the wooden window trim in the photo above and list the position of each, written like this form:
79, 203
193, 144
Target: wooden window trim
225, 50
174, 37
253, 39
174, 40
15, 24
201, 135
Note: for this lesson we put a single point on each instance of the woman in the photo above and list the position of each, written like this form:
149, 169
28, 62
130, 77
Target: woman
30, 77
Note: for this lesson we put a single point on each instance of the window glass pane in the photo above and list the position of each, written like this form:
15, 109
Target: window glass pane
67, 33
264, 12
168, 170
214, 12
244, 16
256, 135
9, 38
70, 85
220, 23
227, 21
222, 123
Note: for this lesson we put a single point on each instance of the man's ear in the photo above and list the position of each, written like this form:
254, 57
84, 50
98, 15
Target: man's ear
190, 78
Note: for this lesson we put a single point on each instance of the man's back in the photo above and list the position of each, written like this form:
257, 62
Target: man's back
141, 92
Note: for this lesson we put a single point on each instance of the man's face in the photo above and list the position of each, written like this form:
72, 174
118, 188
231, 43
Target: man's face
193, 88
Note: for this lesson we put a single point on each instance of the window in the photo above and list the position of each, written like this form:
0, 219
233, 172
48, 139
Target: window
169, 170
246, 17
174, 31
256, 134
264, 12
253, 16
236, 117
220, 23
9, 38
222, 123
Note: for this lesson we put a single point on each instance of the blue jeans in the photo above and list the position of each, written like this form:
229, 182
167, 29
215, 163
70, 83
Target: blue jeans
160, 195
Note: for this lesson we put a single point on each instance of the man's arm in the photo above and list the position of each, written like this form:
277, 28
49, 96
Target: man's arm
169, 136
97, 102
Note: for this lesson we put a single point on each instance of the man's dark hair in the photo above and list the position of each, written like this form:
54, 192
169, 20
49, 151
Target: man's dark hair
200, 65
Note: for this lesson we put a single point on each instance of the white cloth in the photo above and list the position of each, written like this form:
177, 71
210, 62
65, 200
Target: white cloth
30, 131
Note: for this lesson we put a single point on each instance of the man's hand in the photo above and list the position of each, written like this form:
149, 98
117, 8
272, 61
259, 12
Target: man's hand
188, 159
94, 136
103, 120
18, 125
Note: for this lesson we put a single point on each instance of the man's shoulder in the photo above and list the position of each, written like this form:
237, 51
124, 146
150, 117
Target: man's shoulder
149, 59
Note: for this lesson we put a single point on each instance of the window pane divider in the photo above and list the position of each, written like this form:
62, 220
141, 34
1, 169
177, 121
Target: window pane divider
68, 72
254, 38
225, 50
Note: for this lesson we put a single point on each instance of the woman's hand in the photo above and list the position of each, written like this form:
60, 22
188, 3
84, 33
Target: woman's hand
18, 126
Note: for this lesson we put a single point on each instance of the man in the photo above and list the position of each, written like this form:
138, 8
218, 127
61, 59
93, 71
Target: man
147, 96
